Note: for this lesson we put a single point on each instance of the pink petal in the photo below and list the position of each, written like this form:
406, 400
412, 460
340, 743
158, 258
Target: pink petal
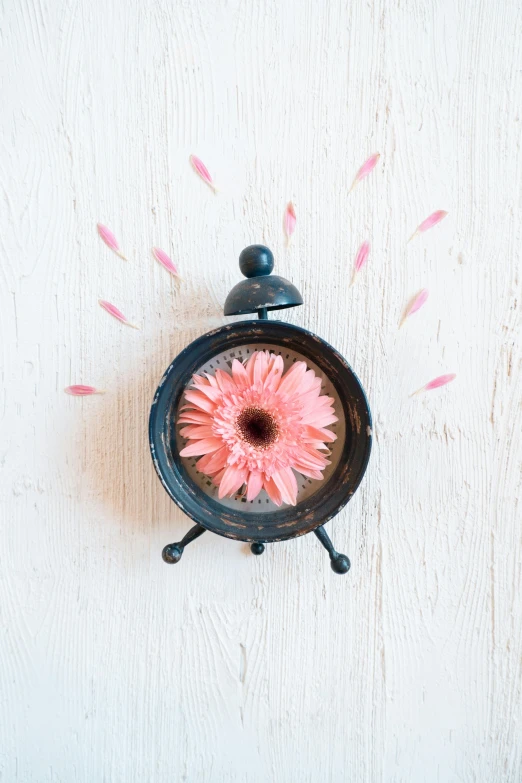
314, 454
110, 240
224, 381
195, 417
165, 261
249, 367
292, 379
209, 391
254, 484
322, 420
261, 367
365, 169
211, 380
360, 259
415, 304
199, 400
272, 491
312, 458
430, 221
217, 478
204, 446
113, 310
81, 391
275, 373
287, 484
201, 380
312, 403
213, 462
240, 375
203, 172
309, 384
233, 478
197, 431
306, 471
441, 380
320, 434
289, 220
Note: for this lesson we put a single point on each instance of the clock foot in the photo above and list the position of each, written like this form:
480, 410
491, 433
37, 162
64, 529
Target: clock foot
257, 548
339, 563
172, 552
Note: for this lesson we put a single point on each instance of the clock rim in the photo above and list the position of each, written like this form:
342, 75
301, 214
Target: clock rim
292, 521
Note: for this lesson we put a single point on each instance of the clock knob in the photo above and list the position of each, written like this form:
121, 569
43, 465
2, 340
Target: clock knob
261, 291
256, 261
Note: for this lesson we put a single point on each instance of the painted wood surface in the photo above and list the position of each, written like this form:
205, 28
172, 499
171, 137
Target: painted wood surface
225, 668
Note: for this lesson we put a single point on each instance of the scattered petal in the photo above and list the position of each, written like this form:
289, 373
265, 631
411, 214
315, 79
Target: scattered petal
441, 380
82, 391
203, 172
110, 240
113, 310
360, 259
367, 167
415, 304
430, 221
165, 261
289, 221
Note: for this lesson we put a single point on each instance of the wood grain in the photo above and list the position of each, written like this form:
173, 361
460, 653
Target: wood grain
228, 668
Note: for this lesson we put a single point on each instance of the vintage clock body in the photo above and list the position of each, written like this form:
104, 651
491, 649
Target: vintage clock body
260, 521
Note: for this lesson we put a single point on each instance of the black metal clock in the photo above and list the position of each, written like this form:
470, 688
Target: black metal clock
260, 521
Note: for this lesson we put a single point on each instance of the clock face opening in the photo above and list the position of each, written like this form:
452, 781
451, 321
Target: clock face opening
261, 520
306, 486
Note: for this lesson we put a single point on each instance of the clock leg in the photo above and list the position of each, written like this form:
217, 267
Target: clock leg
339, 563
172, 552
257, 548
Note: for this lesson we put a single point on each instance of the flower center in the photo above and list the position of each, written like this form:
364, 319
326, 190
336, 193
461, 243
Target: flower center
257, 427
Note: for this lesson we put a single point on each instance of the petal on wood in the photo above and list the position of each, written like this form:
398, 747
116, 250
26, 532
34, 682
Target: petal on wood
79, 390
365, 169
429, 222
166, 262
415, 304
113, 310
289, 221
109, 239
441, 380
360, 259
203, 172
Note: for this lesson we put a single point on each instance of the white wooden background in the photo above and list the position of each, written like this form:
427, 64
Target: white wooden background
225, 668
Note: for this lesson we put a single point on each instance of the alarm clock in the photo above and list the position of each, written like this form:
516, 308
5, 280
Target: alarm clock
260, 521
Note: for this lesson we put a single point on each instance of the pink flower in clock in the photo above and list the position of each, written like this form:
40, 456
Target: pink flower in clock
257, 426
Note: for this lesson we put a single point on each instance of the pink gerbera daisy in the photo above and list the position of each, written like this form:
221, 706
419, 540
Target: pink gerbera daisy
257, 426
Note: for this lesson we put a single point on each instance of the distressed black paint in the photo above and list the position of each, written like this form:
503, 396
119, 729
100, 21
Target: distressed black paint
286, 522
259, 293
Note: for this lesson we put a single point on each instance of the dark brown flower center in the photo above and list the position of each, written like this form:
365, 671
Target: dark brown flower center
257, 427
